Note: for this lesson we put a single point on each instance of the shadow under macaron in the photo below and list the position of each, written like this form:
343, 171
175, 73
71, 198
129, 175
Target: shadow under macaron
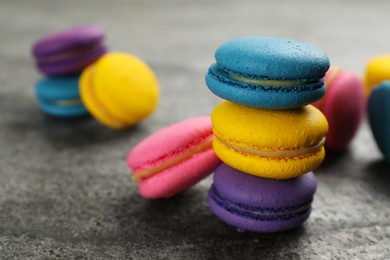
185, 220
378, 176
79, 132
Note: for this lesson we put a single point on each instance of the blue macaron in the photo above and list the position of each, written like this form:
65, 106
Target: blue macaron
269, 73
379, 117
60, 97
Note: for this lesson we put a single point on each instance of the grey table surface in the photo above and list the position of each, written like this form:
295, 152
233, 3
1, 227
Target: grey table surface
65, 191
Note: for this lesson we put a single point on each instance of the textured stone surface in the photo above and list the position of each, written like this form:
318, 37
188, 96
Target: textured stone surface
65, 191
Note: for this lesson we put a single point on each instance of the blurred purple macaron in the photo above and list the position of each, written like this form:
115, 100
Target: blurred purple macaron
69, 51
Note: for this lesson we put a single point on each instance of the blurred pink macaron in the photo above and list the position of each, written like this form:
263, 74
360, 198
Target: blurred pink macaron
343, 105
174, 158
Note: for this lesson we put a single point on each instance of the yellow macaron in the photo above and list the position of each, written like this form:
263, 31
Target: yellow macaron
277, 144
119, 90
377, 70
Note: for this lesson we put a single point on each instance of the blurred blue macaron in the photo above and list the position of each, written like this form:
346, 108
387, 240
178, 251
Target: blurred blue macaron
60, 97
379, 117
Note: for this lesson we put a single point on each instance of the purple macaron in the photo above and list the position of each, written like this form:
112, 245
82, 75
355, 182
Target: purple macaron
258, 204
69, 51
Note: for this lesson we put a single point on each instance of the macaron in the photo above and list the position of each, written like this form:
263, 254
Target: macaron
377, 70
174, 158
60, 97
343, 105
269, 73
119, 90
69, 51
379, 117
277, 144
258, 204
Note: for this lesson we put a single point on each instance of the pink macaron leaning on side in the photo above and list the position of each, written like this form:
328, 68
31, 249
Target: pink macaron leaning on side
174, 158
343, 105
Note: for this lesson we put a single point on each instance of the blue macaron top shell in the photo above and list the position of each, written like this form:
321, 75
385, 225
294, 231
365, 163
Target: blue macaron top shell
60, 97
272, 59
379, 117
245, 67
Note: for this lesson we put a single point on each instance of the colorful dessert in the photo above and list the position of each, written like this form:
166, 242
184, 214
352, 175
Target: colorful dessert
60, 97
174, 158
278, 144
377, 70
379, 117
343, 105
69, 51
268, 73
119, 90
258, 204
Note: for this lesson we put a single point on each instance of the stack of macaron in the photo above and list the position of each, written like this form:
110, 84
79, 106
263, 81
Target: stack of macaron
116, 88
266, 134
61, 57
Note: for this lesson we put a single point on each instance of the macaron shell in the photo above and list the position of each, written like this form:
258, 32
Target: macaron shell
93, 105
242, 189
377, 70
263, 192
67, 40
54, 88
248, 224
272, 58
168, 141
180, 177
63, 112
269, 129
133, 91
51, 90
124, 86
274, 168
344, 107
379, 117
261, 96
72, 63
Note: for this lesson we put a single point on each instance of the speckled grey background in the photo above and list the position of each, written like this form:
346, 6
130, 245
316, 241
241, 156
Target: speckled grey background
65, 191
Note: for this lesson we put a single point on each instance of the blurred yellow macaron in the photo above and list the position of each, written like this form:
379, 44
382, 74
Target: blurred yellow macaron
276, 144
377, 70
119, 90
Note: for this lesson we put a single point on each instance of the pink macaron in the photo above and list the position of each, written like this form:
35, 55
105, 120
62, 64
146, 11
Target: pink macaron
174, 158
343, 105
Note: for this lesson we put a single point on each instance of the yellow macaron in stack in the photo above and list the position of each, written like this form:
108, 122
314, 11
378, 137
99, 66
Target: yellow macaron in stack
277, 144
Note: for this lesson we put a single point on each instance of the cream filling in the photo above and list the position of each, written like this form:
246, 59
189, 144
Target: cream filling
270, 83
277, 153
203, 146
67, 102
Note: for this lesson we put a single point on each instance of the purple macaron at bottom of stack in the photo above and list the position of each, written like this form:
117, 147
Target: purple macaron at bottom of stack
258, 204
